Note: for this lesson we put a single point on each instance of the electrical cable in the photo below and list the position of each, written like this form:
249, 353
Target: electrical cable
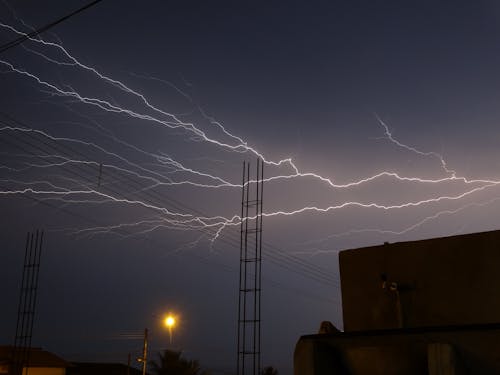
42, 29
280, 259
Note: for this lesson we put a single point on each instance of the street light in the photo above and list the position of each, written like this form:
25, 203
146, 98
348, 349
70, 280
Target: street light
170, 323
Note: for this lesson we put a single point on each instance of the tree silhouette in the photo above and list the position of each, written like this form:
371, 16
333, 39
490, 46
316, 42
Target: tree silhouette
172, 363
269, 370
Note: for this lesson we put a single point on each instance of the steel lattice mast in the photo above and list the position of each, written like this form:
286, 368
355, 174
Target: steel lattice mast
250, 282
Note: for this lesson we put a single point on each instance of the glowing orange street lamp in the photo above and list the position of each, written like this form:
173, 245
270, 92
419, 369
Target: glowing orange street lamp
170, 323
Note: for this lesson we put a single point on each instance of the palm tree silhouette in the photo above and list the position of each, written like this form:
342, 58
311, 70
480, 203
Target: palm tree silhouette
171, 362
269, 370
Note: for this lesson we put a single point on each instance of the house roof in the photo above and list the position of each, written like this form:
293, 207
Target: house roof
37, 357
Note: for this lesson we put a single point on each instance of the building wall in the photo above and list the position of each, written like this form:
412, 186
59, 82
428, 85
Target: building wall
456, 350
45, 371
438, 282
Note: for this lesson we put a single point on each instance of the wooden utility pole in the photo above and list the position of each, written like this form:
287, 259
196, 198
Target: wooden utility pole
144, 358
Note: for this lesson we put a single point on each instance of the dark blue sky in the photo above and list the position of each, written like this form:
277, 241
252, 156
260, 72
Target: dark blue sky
312, 81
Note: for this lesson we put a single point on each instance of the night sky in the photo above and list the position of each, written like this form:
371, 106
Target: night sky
123, 132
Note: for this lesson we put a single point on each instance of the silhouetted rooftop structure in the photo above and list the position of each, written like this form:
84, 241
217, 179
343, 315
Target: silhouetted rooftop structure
419, 307
38, 359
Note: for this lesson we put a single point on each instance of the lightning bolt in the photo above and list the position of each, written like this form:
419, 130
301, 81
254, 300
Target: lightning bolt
159, 170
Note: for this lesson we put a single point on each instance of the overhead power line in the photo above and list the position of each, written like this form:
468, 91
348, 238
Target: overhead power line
42, 29
278, 257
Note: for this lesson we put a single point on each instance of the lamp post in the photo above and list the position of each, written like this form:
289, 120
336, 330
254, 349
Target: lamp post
170, 323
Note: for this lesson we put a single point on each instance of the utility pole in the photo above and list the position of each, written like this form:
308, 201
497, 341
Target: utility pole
99, 178
144, 358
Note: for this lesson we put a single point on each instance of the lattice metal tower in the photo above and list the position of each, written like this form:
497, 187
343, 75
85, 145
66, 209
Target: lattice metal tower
249, 301
27, 302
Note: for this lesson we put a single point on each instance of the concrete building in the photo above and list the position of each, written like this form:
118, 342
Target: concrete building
41, 362
420, 307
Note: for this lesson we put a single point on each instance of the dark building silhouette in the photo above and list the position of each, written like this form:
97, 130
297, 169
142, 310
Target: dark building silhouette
41, 362
420, 307
90, 368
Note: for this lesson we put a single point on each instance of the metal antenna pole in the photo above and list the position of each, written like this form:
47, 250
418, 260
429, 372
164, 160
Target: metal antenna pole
249, 299
27, 303
240, 326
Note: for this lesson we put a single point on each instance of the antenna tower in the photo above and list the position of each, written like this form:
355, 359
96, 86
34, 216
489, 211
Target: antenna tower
249, 301
27, 302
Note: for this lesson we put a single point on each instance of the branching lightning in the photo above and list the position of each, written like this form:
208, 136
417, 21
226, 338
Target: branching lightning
115, 172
